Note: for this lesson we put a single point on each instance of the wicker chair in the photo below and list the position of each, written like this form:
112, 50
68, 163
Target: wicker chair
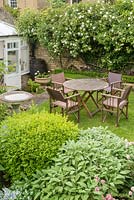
116, 104
68, 105
57, 82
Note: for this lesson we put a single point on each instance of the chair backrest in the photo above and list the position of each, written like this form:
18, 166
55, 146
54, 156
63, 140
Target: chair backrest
125, 93
60, 78
114, 77
55, 94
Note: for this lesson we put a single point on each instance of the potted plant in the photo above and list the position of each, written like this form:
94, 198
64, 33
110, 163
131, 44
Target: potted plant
42, 78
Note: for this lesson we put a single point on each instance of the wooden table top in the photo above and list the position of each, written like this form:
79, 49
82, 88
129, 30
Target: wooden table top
86, 84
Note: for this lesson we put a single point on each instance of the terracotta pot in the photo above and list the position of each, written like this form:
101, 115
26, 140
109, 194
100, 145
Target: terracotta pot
42, 80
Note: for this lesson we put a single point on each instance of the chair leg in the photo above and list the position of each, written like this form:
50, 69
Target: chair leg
62, 111
103, 116
102, 113
50, 103
51, 108
117, 117
127, 111
78, 115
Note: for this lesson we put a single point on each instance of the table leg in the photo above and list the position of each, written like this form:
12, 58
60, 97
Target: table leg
95, 102
83, 102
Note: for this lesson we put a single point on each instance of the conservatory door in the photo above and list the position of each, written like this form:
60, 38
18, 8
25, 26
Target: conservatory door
12, 61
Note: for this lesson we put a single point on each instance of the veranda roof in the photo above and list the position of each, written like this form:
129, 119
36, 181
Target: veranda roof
7, 29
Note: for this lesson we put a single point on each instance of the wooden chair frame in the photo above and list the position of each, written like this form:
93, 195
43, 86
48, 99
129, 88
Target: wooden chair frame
57, 81
68, 105
116, 104
115, 81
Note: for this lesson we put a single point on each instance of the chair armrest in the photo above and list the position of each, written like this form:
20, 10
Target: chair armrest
72, 96
116, 82
118, 89
67, 79
110, 96
104, 79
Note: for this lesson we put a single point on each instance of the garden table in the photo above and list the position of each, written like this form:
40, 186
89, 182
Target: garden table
15, 98
88, 86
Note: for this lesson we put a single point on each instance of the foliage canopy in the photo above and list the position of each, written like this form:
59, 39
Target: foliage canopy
99, 33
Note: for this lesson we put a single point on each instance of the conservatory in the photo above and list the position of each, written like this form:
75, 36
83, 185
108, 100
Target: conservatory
14, 53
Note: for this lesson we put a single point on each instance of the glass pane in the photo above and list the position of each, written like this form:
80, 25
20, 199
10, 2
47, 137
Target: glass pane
9, 45
13, 3
24, 58
12, 45
13, 61
15, 44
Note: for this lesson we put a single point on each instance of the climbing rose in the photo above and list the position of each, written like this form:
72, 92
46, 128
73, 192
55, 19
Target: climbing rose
109, 197
97, 189
130, 193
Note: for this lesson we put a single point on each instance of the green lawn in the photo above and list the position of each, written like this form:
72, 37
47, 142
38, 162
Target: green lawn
126, 127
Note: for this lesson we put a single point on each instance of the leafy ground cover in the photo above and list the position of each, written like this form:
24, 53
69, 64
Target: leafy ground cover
98, 166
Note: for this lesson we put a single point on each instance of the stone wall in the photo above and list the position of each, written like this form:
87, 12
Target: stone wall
6, 17
22, 4
1, 3
33, 4
42, 53
24, 81
43, 4
54, 63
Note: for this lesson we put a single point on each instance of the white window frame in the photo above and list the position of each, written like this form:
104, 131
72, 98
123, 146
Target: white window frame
74, 1
24, 45
12, 3
12, 48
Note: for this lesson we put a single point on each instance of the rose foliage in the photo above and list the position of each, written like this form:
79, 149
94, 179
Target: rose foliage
103, 32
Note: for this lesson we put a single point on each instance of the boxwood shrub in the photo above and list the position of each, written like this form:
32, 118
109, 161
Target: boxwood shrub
4, 111
98, 166
29, 141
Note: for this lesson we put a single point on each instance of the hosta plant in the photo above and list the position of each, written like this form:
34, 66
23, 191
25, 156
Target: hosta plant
7, 194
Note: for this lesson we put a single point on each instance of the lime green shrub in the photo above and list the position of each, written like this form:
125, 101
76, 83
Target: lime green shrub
98, 165
4, 111
29, 141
